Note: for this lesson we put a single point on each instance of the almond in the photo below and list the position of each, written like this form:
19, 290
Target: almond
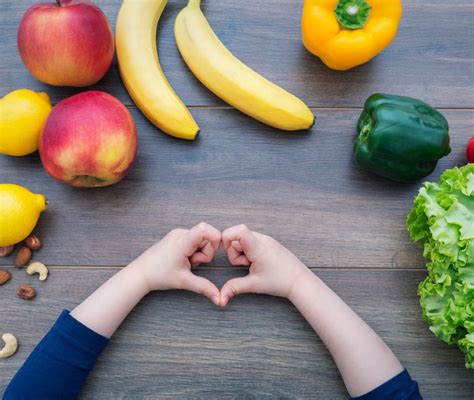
23, 257
4, 276
6, 251
33, 243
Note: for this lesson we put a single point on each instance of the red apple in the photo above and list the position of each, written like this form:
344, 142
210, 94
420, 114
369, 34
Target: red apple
89, 140
66, 43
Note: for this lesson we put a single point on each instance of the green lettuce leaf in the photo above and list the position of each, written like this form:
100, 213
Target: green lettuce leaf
442, 220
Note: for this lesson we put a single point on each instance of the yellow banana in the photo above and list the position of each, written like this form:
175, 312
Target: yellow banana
141, 72
222, 73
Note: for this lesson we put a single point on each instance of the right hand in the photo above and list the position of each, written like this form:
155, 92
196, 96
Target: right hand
274, 269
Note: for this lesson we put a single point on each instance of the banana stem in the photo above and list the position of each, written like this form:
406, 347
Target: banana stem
196, 3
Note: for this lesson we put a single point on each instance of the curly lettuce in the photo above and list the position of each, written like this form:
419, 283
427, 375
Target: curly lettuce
442, 219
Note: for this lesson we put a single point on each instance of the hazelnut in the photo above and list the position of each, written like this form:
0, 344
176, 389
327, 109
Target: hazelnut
6, 251
33, 243
4, 276
26, 292
23, 257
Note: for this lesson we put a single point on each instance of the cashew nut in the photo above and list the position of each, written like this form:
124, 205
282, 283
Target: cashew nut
11, 345
38, 268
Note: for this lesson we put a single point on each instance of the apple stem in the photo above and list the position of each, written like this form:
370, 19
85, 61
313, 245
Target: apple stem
58, 2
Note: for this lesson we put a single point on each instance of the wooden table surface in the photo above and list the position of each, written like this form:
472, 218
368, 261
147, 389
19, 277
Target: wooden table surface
303, 189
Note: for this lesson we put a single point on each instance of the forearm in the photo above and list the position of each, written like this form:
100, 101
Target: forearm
364, 360
59, 365
105, 309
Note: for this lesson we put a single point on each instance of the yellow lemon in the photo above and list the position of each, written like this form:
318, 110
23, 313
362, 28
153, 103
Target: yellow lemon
19, 212
23, 114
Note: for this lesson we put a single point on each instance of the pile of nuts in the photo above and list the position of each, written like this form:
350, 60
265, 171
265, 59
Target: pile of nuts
24, 291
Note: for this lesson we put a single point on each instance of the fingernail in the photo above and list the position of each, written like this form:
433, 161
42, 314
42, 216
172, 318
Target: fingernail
215, 300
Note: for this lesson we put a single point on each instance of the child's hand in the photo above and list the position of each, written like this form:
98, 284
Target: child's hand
167, 265
273, 268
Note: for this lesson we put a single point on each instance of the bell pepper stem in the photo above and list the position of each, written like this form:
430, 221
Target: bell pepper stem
367, 126
352, 14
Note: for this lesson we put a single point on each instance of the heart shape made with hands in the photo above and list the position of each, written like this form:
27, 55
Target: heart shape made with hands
273, 268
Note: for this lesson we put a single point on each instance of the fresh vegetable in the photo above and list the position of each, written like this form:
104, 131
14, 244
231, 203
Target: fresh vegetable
23, 114
347, 33
442, 219
19, 212
470, 150
400, 138
141, 72
227, 77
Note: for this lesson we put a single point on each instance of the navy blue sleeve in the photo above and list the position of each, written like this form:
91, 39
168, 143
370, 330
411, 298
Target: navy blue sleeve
59, 365
400, 387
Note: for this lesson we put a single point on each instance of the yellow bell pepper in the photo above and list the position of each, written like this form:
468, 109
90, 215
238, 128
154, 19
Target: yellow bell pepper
347, 33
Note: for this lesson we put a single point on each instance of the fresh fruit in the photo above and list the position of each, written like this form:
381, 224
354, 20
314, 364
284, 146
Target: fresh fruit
470, 150
222, 73
19, 212
66, 42
89, 140
348, 33
22, 116
141, 71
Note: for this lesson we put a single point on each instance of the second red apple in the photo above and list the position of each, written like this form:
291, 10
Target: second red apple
89, 140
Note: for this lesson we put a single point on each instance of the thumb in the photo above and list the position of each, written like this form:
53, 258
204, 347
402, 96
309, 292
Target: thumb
237, 286
202, 286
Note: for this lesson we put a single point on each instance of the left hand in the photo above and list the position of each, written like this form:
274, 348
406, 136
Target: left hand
167, 265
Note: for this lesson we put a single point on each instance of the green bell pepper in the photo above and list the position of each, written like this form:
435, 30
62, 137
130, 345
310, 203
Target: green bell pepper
400, 138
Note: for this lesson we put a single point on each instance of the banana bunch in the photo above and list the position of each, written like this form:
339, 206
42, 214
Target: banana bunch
212, 63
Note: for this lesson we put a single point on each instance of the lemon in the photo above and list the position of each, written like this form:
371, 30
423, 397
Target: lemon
23, 114
19, 212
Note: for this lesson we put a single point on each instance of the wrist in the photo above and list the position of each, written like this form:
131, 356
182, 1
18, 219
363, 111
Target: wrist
303, 284
137, 277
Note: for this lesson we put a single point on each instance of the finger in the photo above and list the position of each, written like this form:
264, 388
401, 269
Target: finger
237, 286
202, 232
236, 257
243, 260
201, 286
204, 255
246, 238
237, 246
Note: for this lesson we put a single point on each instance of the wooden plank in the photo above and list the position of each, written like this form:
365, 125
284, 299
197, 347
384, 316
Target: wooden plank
424, 61
303, 189
178, 345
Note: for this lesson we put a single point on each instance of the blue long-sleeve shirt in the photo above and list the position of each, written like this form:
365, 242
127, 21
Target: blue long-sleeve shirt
58, 367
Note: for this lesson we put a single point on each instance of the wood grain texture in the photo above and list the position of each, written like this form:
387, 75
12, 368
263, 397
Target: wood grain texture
303, 189
178, 345
431, 58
